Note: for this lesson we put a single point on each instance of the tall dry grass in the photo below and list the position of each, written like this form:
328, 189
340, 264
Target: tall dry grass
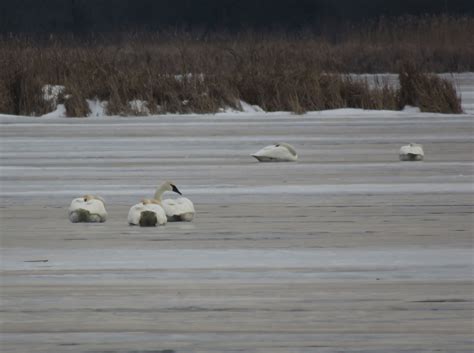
427, 91
182, 74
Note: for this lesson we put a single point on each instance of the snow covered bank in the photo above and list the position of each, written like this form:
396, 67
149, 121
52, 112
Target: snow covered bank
55, 95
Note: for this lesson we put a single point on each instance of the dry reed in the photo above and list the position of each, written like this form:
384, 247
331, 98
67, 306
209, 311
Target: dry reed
180, 74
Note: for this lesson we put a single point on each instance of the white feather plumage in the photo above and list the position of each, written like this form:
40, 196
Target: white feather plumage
281, 152
93, 205
411, 152
180, 209
135, 213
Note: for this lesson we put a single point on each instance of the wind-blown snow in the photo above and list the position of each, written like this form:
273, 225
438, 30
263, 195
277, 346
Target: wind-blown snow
404, 263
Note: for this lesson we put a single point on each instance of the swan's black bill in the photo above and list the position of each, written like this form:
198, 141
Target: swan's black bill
175, 189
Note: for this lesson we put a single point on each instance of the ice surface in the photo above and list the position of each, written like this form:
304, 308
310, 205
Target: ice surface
348, 248
422, 264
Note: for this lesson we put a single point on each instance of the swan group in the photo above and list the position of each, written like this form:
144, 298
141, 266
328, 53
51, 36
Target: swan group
284, 152
152, 212
146, 213
159, 211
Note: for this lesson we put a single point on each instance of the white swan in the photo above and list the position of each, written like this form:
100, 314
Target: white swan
411, 152
180, 209
281, 152
88, 208
147, 213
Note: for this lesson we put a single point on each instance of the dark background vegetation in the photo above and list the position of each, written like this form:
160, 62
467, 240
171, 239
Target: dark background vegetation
320, 16
202, 56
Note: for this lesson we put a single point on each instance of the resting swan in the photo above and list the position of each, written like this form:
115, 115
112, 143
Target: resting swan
180, 209
147, 213
88, 208
281, 152
411, 152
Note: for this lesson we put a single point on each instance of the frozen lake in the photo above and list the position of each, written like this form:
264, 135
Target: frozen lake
346, 250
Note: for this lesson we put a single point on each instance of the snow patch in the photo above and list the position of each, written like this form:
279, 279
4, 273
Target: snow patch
98, 108
411, 109
249, 108
245, 108
51, 93
139, 107
189, 76
59, 112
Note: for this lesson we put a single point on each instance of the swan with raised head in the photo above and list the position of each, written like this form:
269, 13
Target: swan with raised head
147, 213
177, 210
281, 152
88, 208
411, 152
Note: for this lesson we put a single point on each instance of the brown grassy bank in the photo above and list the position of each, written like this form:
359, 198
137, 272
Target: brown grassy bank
179, 73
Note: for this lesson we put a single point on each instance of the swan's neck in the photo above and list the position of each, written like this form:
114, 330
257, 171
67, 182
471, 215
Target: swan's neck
159, 192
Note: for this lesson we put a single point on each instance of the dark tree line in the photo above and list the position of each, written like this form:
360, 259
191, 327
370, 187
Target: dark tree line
80, 16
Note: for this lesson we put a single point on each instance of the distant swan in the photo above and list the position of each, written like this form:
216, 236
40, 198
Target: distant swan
88, 208
147, 213
281, 152
180, 209
411, 152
